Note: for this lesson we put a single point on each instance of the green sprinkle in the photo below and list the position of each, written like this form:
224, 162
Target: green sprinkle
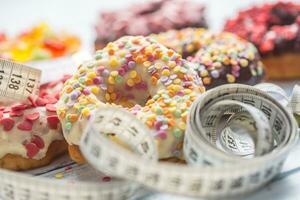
177, 132
119, 79
158, 110
98, 56
177, 113
68, 125
81, 80
165, 58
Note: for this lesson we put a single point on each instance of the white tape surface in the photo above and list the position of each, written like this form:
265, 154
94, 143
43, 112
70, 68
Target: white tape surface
219, 174
18, 81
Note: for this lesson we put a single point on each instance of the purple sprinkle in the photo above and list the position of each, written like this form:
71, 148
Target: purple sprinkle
168, 82
131, 64
70, 103
165, 67
105, 73
215, 74
74, 95
76, 85
164, 79
173, 58
100, 69
173, 76
103, 86
236, 68
164, 127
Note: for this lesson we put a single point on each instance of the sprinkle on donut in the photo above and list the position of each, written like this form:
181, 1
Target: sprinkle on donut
273, 28
219, 57
149, 80
27, 129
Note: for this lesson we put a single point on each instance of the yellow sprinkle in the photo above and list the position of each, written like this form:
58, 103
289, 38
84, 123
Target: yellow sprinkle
158, 65
152, 116
59, 175
230, 78
204, 73
130, 82
107, 97
110, 45
85, 112
177, 81
244, 62
176, 69
91, 75
82, 70
187, 91
114, 62
132, 74
182, 125
165, 72
83, 101
111, 80
171, 64
150, 101
172, 109
122, 53
137, 79
95, 90
147, 63
114, 73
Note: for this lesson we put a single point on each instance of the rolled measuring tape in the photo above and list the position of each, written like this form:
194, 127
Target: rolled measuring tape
221, 161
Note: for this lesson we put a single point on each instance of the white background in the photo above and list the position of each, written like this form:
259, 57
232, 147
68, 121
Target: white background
79, 17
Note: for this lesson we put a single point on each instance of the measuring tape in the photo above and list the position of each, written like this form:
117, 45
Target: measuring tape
244, 165
18, 81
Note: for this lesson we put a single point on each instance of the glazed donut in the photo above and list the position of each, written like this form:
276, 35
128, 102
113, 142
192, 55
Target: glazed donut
220, 57
275, 30
150, 17
149, 80
30, 134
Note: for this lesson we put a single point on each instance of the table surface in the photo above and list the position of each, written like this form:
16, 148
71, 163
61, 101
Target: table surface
79, 17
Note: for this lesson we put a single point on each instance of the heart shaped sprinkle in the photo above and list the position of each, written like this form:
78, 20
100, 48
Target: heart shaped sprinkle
52, 121
8, 123
51, 99
16, 113
26, 125
38, 141
41, 101
18, 106
32, 149
32, 116
50, 108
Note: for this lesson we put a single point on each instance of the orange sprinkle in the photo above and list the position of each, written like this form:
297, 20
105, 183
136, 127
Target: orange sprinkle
72, 117
153, 80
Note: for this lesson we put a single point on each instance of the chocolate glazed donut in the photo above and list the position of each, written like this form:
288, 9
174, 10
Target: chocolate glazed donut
219, 58
146, 18
275, 30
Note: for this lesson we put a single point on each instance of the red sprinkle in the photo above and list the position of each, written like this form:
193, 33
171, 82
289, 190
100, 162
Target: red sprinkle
38, 141
8, 123
106, 179
32, 116
50, 108
18, 107
26, 125
52, 121
41, 101
51, 99
32, 149
16, 113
